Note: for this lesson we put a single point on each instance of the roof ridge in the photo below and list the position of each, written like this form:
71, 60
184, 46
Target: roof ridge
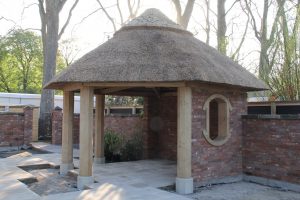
153, 18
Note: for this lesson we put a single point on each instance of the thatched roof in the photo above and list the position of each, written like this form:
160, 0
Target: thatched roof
152, 48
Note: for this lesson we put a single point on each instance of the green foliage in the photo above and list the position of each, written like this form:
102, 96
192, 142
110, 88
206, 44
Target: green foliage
21, 62
117, 148
123, 100
113, 143
284, 77
133, 148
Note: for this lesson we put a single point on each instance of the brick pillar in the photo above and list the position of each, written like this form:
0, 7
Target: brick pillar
28, 115
57, 125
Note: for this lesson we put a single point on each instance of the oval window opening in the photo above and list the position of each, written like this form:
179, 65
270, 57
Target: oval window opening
217, 119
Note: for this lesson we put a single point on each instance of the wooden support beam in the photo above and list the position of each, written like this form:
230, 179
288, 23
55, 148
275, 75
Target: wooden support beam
72, 87
184, 132
114, 89
184, 181
67, 133
136, 84
86, 137
127, 93
99, 129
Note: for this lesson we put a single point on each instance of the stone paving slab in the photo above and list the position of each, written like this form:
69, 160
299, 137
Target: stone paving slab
14, 189
125, 181
113, 192
115, 181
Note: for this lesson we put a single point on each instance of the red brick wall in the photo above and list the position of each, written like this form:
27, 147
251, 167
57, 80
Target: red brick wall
28, 114
16, 128
211, 162
271, 148
167, 138
125, 125
162, 127
56, 126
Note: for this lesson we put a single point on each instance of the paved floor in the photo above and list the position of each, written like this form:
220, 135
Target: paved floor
124, 181
243, 191
115, 181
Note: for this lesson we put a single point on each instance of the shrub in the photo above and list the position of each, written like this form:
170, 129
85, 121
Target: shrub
133, 148
113, 143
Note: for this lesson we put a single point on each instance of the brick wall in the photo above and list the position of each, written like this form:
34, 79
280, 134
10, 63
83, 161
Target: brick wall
271, 148
212, 162
167, 140
162, 127
16, 128
262, 147
125, 125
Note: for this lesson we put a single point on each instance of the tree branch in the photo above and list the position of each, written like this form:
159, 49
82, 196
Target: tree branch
232, 5
90, 14
61, 4
120, 13
256, 32
188, 12
68, 19
178, 9
108, 16
242, 40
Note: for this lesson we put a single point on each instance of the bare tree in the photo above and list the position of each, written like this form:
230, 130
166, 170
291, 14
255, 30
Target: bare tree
285, 75
68, 50
49, 14
183, 18
207, 19
133, 8
263, 35
222, 27
108, 15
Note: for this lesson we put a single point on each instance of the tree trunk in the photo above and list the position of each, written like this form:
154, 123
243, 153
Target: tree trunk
50, 46
184, 18
263, 57
49, 13
221, 32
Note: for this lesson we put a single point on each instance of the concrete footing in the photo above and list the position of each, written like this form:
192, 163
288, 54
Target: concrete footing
99, 160
184, 185
224, 180
65, 168
272, 183
84, 181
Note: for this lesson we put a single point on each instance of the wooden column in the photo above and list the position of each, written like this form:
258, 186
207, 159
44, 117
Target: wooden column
67, 133
184, 181
99, 130
86, 136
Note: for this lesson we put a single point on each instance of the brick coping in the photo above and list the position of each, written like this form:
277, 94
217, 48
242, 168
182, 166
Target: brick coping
271, 117
12, 113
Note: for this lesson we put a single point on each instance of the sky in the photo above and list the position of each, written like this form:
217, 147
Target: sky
89, 32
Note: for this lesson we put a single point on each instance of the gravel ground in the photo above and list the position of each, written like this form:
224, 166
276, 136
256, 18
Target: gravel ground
50, 182
242, 191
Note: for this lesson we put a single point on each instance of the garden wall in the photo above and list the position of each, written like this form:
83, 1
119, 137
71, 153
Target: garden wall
271, 146
16, 127
125, 125
215, 164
